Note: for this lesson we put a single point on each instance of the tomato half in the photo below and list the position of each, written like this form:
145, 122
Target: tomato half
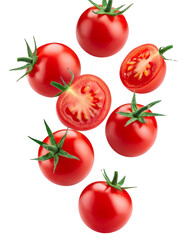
85, 104
68, 171
104, 208
49, 63
101, 35
143, 69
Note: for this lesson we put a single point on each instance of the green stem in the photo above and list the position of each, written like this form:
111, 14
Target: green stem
164, 49
109, 6
115, 178
138, 112
25, 59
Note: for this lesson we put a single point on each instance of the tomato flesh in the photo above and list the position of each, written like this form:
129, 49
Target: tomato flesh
68, 171
132, 140
53, 61
103, 208
85, 104
143, 69
101, 35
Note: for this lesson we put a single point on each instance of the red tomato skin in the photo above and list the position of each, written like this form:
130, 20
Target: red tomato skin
101, 35
134, 139
68, 171
154, 80
53, 61
74, 95
103, 208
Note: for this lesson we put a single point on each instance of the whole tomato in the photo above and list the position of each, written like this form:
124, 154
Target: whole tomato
105, 206
131, 129
65, 157
49, 63
102, 30
84, 104
144, 68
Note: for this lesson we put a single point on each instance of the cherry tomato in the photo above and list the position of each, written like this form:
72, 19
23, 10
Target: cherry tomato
131, 129
48, 63
84, 104
102, 33
70, 162
144, 68
104, 207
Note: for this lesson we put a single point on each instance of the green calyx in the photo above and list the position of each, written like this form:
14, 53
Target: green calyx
63, 87
55, 150
30, 60
162, 50
114, 183
139, 114
106, 8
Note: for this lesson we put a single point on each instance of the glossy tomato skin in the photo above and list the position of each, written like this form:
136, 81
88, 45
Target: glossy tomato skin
143, 69
53, 61
134, 139
85, 104
101, 35
68, 171
103, 208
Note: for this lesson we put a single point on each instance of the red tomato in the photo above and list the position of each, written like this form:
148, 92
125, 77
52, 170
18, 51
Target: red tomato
51, 63
85, 104
103, 208
137, 137
144, 68
70, 169
102, 35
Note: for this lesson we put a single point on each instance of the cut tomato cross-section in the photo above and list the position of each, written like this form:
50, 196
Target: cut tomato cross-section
144, 68
85, 103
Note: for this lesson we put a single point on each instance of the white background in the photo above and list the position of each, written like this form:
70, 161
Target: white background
31, 207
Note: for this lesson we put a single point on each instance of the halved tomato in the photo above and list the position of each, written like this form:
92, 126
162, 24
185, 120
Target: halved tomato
144, 68
84, 104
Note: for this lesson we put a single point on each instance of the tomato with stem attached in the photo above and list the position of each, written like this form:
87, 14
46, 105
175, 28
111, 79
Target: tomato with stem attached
48, 63
105, 206
84, 104
102, 30
65, 157
131, 129
144, 68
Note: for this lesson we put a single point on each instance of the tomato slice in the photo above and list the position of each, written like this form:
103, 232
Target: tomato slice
85, 104
143, 69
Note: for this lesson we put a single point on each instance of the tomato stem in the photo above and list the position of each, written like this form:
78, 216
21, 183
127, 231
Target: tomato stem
63, 87
106, 8
55, 150
30, 60
115, 184
162, 50
145, 108
115, 178
139, 114
25, 59
109, 6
